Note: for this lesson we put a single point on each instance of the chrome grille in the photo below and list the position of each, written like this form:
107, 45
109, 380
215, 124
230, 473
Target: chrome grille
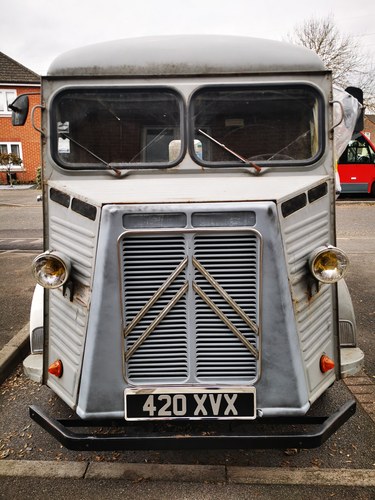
148, 262
232, 262
190, 301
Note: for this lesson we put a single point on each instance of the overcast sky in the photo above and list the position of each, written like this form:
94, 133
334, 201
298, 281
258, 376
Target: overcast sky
34, 33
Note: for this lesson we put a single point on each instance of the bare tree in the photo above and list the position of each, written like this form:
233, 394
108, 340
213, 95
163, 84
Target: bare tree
341, 53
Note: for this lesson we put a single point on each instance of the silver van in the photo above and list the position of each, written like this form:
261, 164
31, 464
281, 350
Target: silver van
190, 269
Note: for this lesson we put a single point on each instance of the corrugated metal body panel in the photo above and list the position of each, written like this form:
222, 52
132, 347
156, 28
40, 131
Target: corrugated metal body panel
67, 326
75, 237
77, 243
67, 330
313, 313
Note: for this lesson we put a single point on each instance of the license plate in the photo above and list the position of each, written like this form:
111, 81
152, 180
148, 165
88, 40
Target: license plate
190, 403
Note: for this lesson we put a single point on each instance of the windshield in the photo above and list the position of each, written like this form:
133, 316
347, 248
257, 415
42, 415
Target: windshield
95, 127
99, 128
272, 124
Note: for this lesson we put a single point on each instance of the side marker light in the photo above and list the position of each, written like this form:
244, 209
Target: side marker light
326, 363
56, 368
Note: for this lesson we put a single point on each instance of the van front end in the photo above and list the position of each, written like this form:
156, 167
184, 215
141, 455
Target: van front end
190, 270
188, 312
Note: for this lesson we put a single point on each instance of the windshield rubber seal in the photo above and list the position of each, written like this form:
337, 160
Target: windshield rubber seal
121, 166
276, 163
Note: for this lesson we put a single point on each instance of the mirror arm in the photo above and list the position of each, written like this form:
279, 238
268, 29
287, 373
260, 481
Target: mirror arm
38, 106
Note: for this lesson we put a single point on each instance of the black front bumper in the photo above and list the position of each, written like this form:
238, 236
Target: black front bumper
263, 433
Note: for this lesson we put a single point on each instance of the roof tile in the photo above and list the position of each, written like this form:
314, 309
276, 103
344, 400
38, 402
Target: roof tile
12, 71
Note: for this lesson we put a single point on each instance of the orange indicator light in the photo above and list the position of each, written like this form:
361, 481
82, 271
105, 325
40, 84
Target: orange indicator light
56, 368
326, 363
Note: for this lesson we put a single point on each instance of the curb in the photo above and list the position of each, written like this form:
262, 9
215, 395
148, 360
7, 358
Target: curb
14, 352
343, 201
188, 473
17, 187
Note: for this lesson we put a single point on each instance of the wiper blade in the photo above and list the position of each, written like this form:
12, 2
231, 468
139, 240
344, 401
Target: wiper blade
108, 165
223, 146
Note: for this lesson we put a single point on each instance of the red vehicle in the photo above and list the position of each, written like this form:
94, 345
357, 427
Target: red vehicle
357, 166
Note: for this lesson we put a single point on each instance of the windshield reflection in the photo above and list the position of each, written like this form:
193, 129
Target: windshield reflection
262, 125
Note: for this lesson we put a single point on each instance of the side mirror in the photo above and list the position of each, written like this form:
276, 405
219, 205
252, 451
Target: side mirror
20, 110
358, 94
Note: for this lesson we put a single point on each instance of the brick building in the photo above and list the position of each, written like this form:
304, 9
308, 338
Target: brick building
369, 127
16, 79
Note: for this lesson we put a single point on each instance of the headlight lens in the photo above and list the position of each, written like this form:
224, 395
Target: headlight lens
328, 264
51, 270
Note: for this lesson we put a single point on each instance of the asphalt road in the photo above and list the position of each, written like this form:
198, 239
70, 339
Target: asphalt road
356, 235
352, 447
21, 233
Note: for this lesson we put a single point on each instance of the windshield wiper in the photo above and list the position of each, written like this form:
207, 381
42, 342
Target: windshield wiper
108, 165
223, 146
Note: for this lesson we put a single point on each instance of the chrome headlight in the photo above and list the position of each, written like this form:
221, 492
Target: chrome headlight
51, 269
328, 264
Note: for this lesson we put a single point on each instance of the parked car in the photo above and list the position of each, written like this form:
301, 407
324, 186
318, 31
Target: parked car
357, 166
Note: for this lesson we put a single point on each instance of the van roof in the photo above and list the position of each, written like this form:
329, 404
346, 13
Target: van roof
184, 55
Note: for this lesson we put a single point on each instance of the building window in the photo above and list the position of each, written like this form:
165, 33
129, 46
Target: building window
6, 98
11, 148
